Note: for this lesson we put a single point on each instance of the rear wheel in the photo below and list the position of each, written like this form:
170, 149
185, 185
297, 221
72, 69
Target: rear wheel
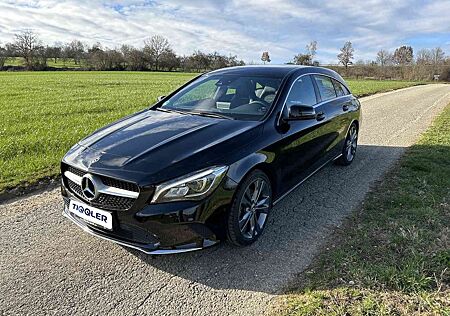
350, 145
250, 208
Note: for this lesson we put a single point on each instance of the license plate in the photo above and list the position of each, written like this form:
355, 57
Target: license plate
91, 214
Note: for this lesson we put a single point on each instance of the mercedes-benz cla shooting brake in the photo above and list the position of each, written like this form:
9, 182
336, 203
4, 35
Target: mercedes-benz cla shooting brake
209, 161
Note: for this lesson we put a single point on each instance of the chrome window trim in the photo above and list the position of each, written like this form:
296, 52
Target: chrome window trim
321, 102
105, 189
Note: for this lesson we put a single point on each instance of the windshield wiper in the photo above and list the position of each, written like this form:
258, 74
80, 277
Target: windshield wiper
171, 111
211, 114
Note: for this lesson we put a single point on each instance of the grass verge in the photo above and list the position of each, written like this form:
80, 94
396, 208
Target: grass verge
45, 113
393, 256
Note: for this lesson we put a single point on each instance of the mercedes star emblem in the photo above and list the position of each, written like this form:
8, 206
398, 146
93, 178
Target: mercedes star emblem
89, 187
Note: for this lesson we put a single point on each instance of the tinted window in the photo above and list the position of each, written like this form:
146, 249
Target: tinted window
302, 92
326, 88
239, 97
201, 92
340, 89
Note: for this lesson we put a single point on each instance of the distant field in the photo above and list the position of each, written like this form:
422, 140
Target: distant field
60, 63
44, 113
366, 87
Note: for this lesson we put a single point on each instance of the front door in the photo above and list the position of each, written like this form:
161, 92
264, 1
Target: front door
302, 141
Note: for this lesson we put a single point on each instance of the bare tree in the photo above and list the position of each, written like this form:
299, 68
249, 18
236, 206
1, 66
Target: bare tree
217, 61
97, 57
155, 47
134, 58
437, 56
75, 50
198, 61
308, 57
423, 57
403, 55
384, 58
265, 57
232, 61
169, 60
27, 44
311, 50
54, 52
302, 59
346, 55
3, 56
115, 59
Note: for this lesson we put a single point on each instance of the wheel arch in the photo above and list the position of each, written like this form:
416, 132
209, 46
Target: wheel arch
237, 173
261, 161
356, 121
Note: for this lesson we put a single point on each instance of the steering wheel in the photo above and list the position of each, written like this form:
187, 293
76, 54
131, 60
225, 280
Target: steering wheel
262, 105
261, 102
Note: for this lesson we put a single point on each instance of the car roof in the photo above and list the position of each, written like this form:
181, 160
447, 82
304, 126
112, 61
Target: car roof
278, 71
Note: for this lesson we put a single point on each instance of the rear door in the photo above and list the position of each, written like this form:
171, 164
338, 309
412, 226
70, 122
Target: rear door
346, 104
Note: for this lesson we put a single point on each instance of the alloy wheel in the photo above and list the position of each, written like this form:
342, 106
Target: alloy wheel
351, 143
254, 208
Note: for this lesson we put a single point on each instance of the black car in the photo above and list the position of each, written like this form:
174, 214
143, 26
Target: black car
209, 161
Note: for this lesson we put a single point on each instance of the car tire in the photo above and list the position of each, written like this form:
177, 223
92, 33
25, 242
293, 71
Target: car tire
249, 210
350, 146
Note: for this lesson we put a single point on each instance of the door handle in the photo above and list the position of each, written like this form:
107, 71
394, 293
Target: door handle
320, 116
345, 107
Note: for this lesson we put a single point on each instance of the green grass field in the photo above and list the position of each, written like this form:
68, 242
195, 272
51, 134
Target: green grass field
44, 113
367, 87
392, 257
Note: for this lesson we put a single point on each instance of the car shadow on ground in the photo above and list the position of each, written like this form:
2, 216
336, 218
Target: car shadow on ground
297, 229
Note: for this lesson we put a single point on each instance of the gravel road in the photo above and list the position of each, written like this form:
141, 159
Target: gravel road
49, 266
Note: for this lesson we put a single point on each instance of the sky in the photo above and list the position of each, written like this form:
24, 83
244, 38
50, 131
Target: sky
244, 28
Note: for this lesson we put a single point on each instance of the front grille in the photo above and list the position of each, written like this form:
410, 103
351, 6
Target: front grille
106, 201
76, 171
120, 184
75, 188
114, 202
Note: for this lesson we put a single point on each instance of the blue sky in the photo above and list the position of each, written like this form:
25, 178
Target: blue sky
240, 27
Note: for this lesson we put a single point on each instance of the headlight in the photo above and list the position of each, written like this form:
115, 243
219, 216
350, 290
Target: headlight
194, 186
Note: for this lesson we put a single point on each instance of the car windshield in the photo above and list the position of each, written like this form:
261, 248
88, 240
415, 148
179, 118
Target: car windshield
228, 96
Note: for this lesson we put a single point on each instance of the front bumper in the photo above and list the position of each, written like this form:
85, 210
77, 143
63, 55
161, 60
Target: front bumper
165, 228
150, 249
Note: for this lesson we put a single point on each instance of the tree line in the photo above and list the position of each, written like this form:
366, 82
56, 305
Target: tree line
156, 55
399, 64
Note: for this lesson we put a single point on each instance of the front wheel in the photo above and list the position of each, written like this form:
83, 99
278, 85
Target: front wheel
350, 145
250, 208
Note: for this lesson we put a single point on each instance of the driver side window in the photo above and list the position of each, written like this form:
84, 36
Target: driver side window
302, 92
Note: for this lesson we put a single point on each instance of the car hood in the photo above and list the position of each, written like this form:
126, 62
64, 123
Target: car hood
152, 146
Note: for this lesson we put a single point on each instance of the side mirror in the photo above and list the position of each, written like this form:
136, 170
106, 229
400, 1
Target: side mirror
161, 97
301, 112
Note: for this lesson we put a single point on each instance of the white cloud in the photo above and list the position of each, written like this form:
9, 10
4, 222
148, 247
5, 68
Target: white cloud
241, 27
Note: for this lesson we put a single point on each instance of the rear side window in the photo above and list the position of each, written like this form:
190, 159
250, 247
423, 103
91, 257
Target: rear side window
302, 92
326, 88
340, 88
